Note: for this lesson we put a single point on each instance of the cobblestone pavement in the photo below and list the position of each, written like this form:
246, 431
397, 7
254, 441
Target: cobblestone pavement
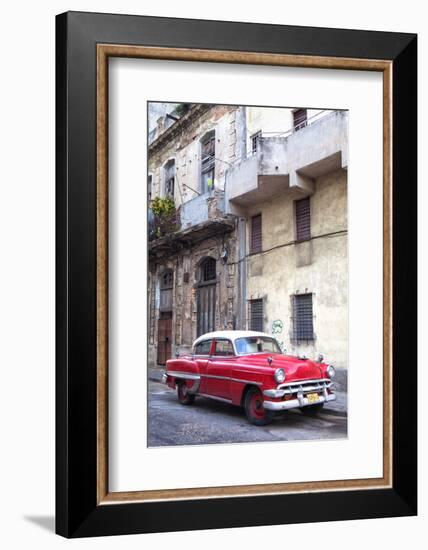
208, 421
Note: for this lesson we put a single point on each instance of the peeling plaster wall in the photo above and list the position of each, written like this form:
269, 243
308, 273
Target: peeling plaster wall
184, 302
186, 150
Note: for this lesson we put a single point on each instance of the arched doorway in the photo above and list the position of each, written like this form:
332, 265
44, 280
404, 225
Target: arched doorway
206, 296
165, 316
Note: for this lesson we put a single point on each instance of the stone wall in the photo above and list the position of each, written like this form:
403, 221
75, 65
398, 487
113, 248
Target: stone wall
186, 277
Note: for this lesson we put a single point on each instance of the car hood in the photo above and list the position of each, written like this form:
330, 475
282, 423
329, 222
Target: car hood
295, 368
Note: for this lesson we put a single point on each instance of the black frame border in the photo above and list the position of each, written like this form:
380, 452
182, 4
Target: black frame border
77, 513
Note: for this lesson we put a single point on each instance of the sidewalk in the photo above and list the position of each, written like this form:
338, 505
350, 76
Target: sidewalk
155, 373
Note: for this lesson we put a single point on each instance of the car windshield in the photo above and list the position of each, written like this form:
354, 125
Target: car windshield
256, 344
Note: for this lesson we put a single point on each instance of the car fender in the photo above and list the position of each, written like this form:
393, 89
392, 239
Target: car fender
183, 368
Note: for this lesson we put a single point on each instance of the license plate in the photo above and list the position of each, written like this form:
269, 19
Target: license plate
313, 397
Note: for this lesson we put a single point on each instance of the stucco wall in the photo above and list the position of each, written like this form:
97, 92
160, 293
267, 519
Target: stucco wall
271, 120
318, 266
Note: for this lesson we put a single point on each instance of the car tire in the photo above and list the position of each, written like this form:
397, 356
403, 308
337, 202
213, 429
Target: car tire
256, 413
184, 397
312, 410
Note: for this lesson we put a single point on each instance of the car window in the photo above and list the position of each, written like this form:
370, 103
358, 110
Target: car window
223, 347
203, 348
256, 344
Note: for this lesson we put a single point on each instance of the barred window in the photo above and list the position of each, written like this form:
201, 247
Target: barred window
303, 317
256, 315
166, 285
166, 280
303, 219
256, 234
208, 270
300, 117
255, 140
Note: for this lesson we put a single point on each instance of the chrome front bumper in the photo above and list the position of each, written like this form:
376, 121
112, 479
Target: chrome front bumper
298, 403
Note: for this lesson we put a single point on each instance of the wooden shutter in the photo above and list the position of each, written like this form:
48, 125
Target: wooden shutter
256, 315
303, 317
303, 219
256, 234
300, 118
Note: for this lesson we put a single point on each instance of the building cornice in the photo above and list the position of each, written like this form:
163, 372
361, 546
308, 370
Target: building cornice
178, 127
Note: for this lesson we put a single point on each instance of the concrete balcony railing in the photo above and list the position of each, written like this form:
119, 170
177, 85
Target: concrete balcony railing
201, 209
289, 162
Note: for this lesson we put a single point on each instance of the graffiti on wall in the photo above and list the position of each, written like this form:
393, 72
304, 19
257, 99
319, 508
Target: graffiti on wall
277, 329
277, 326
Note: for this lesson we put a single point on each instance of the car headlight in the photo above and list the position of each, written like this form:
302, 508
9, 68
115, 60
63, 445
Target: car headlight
279, 375
330, 371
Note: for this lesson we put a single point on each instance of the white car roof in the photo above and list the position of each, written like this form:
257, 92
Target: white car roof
230, 334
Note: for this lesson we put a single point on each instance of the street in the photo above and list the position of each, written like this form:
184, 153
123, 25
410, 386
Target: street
208, 421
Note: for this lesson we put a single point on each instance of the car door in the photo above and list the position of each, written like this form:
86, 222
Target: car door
218, 369
201, 356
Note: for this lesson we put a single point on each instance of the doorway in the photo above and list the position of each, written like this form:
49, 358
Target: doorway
164, 337
206, 296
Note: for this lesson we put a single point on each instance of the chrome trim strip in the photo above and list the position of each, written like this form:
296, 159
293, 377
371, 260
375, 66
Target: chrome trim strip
300, 382
296, 403
179, 374
190, 376
299, 387
217, 377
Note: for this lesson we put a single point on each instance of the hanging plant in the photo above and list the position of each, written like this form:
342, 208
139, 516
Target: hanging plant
163, 206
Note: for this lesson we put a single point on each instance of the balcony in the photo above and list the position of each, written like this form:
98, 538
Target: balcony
289, 162
195, 220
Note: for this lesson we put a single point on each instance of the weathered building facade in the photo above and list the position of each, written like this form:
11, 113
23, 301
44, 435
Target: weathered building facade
254, 232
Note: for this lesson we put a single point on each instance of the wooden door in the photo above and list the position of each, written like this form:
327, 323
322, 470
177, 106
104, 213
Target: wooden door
164, 337
206, 309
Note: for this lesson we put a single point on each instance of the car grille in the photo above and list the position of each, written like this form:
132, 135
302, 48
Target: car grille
306, 386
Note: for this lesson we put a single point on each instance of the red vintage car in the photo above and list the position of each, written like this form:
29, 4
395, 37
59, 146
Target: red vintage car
248, 369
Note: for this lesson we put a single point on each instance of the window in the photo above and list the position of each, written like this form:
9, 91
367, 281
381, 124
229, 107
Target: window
255, 140
208, 270
223, 347
166, 284
300, 117
256, 234
169, 171
149, 189
303, 219
167, 278
256, 344
203, 348
256, 315
207, 162
303, 317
